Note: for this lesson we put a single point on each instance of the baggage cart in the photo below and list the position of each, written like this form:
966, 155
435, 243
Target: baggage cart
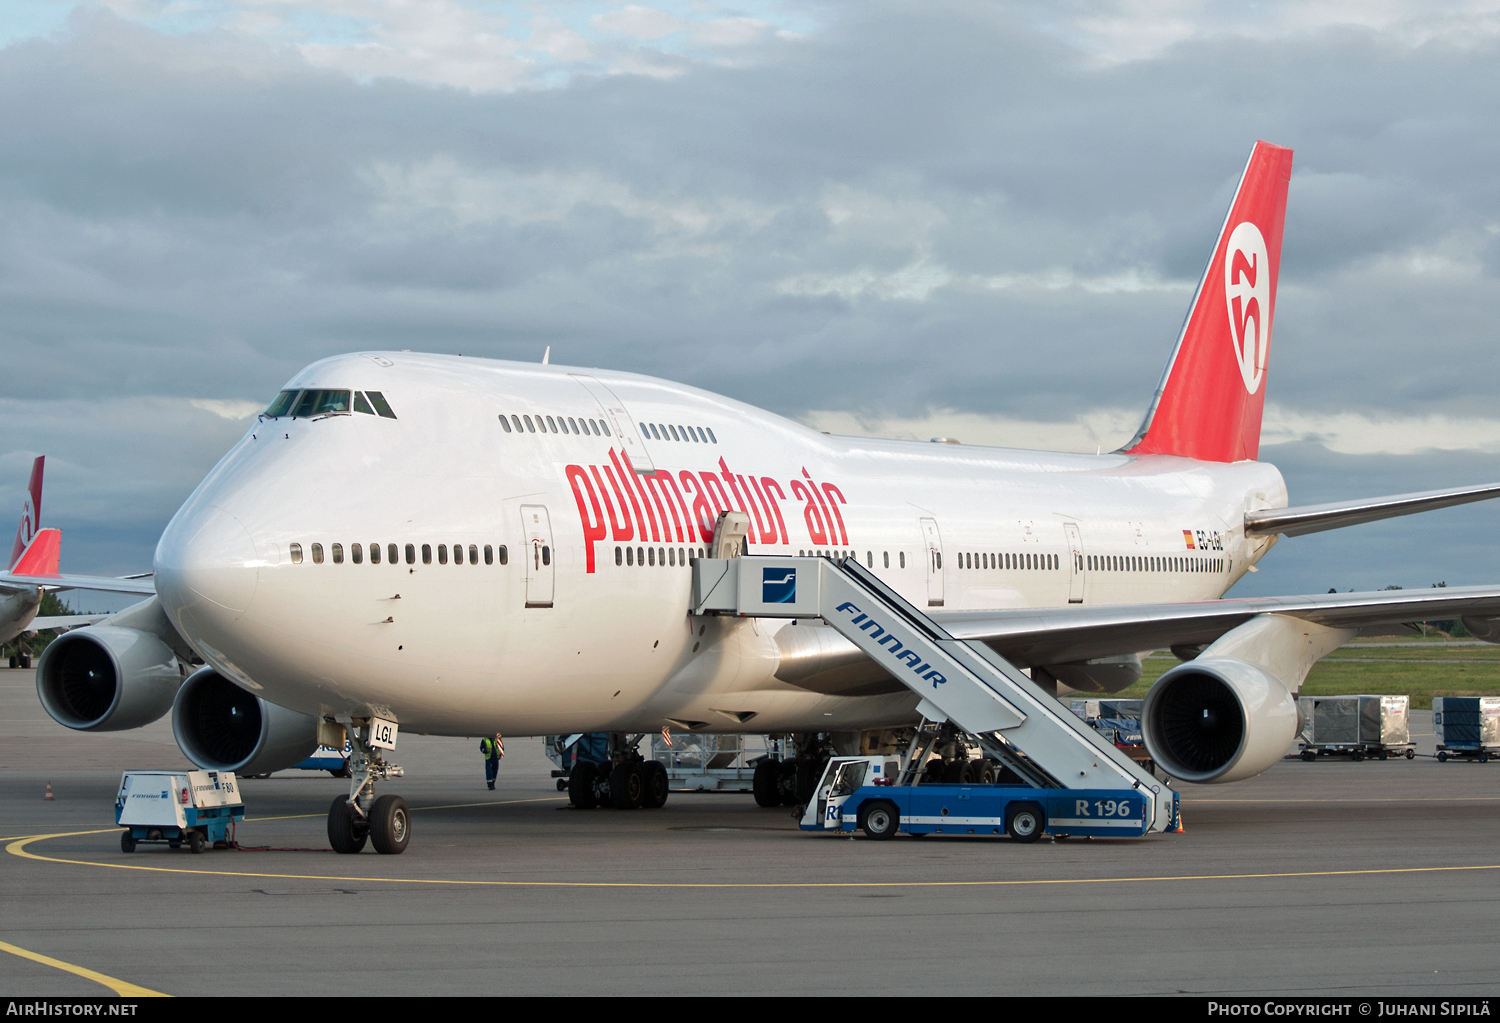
1119, 721
1467, 727
199, 808
1357, 727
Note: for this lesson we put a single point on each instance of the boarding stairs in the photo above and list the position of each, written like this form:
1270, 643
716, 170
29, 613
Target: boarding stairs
965, 682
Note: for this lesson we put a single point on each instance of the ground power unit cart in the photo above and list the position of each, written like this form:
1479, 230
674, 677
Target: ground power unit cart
198, 808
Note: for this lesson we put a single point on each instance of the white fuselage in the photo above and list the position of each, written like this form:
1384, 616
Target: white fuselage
589, 641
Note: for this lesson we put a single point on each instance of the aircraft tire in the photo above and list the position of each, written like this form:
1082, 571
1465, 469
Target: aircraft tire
765, 783
627, 786
655, 785
345, 833
390, 825
787, 782
581, 785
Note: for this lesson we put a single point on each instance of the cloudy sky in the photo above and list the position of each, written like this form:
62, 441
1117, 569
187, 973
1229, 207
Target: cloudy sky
982, 220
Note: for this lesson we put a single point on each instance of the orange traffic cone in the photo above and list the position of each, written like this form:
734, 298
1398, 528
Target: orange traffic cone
1179, 830
49, 795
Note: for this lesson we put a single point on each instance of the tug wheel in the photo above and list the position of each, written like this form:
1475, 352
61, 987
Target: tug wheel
1411, 754
390, 825
1442, 757
1309, 756
346, 833
880, 819
1025, 822
1484, 757
195, 841
127, 842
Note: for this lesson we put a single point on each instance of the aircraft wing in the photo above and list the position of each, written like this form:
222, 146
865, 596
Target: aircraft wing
101, 583
1314, 518
1059, 635
63, 622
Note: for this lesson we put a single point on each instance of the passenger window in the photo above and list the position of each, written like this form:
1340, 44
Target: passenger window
630, 556
653, 431
411, 555
671, 558
674, 432
551, 425
902, 556
651, 554
517, 421
502, 554
442, 554
338, 554
572, 425
505, 423
619, 555
645, 430
474, 554
886, 557
427, 554
605, 427
356, 554
381, 408
712, 438
317, 553
640, 557
374, 553
594, 426
869, 559
390, 553
529, 427
489, 554
688, 433
361, 405
546, 555
296, 552
281, 405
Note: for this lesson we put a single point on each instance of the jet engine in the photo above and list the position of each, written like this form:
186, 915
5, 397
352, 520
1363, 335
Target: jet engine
1217, 719
221, 727
107, 678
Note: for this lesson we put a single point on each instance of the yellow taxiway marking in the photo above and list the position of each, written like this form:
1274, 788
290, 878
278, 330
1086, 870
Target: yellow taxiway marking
18, 848
414, 809
123, 988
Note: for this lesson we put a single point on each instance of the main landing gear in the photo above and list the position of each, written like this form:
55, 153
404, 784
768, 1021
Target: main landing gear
627, 782
359, 817
792, 782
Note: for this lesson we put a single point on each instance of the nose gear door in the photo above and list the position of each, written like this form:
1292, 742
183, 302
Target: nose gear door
539, 555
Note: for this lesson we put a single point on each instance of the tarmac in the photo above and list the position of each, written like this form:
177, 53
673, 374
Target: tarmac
1331, 878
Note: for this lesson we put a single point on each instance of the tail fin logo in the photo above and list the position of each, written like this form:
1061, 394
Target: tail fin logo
1247, 294
26, 531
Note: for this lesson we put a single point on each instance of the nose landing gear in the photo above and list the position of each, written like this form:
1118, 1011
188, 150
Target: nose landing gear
360, 817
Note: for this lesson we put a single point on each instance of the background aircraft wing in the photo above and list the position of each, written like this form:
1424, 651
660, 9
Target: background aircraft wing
63, 622
101, 583
1314, 518
1059, 635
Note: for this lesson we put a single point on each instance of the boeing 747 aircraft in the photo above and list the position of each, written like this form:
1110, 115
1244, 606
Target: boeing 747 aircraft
462, 546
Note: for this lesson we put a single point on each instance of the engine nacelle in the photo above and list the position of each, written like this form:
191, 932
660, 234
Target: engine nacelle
1217, 719
221, 727
107, 678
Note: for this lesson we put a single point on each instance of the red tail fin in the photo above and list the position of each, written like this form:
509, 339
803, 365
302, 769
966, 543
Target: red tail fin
42, 555
1211, 398
31, 512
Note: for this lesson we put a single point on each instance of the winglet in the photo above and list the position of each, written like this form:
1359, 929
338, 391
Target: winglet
41, 557
31, 513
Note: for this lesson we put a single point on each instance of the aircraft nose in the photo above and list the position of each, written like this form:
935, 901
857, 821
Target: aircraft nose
207, 569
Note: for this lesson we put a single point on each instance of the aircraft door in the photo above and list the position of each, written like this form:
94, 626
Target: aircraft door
1075, 571
540, 555
933, 544
630, 440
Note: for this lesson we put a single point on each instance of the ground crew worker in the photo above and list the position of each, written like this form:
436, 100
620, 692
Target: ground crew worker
493, 750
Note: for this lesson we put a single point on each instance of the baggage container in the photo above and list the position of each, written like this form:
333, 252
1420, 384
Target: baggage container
1356, 726
1466, 726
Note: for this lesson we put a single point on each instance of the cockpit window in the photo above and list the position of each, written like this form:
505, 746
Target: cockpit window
321, 403
282, 405
378, 400
361, 405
